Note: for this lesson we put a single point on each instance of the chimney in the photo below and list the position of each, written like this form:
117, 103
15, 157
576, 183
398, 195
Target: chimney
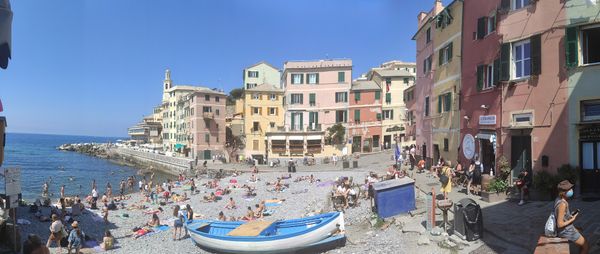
421, 16
438, 6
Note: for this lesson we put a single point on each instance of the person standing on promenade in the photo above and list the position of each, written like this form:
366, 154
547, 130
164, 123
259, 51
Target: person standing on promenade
470, 174
413, 159
56, 230
524, 183
334, 159
447, 186
565, 219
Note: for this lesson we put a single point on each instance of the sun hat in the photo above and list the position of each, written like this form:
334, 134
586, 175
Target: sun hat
565, 185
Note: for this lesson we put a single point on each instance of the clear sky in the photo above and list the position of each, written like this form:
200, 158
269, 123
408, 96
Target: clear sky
95, 68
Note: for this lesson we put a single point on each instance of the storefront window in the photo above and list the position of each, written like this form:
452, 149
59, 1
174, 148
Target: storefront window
590, 110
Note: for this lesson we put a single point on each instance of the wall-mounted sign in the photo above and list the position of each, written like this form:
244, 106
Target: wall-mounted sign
487, 120
589, 132
468, 146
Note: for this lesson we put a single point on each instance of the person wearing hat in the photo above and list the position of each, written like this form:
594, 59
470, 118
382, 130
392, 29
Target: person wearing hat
565, 219
75, 238
56, 229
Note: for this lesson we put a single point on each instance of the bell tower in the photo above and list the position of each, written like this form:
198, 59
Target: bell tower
167, 82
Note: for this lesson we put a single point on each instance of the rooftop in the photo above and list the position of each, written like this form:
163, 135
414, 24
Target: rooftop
318, 64
364, 85
393, 73
264, 87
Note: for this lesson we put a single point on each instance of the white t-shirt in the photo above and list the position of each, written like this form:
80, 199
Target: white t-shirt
94, 193
56, 226
140, 184
412, 151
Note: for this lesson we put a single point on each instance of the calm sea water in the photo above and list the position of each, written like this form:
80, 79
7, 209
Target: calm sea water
39, 161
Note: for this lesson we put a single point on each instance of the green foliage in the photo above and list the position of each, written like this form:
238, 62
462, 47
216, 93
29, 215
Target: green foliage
234, 95
498, 185
505, 169
336, 134
566, 172
544, 181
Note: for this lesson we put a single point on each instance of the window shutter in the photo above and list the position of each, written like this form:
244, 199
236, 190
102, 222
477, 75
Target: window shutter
450, 52
293, 120
480, 28
316, 118
440, 56
505, 62
480, 71
311, 98
357, 96
317, 78
536, 54
496, 70
311, 117
301, 78
377, 95
378, 116
571, 47
301, 98
357, 115
388, 97
439, 104
392, 114
448, 100
505, 5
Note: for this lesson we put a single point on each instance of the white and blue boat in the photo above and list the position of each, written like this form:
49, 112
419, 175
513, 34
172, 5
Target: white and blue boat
282, 236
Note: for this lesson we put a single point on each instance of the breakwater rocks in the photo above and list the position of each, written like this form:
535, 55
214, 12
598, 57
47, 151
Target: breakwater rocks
93, 149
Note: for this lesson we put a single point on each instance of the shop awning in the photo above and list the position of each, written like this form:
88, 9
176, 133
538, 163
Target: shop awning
296, 138
313, 137
277, 137
177, 146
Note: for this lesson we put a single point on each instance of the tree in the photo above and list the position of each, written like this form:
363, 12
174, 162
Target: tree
233, 144
234, 95
336, 134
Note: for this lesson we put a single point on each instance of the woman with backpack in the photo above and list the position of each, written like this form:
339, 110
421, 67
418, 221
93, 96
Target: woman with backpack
565, 219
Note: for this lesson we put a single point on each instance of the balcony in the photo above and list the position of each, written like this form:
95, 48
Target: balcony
314, 127
208, 115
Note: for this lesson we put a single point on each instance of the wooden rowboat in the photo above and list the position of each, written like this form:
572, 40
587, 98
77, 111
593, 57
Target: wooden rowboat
266, 236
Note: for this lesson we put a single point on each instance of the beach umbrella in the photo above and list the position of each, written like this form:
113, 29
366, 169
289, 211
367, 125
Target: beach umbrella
5, 32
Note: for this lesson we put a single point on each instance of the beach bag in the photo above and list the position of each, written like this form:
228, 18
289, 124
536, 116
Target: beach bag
550, 229
444, 179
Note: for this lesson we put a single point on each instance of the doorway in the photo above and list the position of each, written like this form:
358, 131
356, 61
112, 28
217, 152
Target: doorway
520, 154
589, 159
436, 153
488, 158
387, 142
356, 144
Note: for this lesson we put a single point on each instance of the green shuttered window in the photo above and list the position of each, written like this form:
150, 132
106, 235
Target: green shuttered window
388, 97
377, 95
571, 50
357, 96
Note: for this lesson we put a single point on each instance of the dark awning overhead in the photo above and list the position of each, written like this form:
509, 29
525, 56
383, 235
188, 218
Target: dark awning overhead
6, 16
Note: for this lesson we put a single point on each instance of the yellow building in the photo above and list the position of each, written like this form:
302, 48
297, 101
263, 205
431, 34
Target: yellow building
446, 82
263, 112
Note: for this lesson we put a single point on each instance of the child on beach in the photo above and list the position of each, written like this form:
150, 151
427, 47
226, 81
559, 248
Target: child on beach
222, 216
107, 241
75, 238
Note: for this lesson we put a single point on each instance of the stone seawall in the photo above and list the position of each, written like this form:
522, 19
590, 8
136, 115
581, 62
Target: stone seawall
151, 161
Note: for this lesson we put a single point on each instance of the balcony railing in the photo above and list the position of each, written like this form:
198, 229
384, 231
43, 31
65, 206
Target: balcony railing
314, 127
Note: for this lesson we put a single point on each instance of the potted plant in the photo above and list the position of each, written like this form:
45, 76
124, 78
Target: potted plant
544, 185
499, 185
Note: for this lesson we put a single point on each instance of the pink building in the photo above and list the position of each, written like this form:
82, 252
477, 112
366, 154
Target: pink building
481, 93
316, 93
207, 123
420, 110
364, 125
534, 90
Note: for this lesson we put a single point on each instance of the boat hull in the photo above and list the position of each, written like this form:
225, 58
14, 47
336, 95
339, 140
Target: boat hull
277, 244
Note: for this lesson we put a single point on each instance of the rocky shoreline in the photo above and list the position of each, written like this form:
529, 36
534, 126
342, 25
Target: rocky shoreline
92, 149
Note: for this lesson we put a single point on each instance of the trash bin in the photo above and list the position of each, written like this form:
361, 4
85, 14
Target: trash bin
346, 164
468, 220
394, 196
355, 164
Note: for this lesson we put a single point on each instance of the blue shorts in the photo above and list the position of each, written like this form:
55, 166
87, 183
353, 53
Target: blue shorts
570, 232
178, 224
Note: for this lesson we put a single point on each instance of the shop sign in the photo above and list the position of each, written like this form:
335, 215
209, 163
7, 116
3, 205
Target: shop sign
592, 132
487, 120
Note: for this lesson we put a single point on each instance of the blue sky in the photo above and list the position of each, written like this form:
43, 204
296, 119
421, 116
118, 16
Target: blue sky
96, 67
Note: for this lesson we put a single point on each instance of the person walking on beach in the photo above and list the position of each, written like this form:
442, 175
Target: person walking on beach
62, 191
94, 198
93, 184
56, 230
178, 223
108, 190
122, 188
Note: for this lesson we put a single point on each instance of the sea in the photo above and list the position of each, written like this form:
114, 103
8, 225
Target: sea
39, 161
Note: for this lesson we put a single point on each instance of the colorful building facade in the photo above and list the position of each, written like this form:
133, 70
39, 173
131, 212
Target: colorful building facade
534, 85
364, 126
421, 108
261, 73
263, 112
207, 123
582, 55
480, 88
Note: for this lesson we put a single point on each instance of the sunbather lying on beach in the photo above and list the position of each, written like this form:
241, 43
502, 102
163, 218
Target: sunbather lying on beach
211, 198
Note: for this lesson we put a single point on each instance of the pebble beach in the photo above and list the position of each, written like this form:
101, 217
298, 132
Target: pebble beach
302, 199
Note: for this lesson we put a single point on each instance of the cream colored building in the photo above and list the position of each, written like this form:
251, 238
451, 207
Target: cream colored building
394, 78
261, 73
